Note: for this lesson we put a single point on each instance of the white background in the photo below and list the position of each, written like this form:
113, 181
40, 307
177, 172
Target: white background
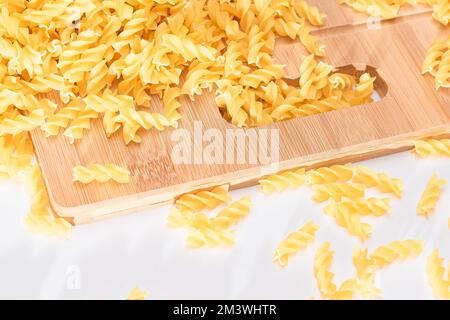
109, 258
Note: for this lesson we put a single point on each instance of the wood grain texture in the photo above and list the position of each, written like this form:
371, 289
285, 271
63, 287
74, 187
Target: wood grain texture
410, 109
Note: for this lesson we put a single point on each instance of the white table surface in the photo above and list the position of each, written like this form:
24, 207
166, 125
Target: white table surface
105, 260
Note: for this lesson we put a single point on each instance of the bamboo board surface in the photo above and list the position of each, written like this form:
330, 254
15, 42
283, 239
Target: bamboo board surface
410, 108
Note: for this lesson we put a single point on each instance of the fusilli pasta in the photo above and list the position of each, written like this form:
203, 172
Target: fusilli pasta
137, 294
396, 250
432, 147
430, 196
436, 276
289, 179
294, 242
101, 173
206, 199
381, 181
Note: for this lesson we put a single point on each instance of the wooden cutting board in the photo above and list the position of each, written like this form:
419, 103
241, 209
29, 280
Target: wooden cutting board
410, 108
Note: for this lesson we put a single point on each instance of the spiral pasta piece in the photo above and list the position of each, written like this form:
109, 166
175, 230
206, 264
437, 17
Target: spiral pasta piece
432, 147
441, 11
206, 199
137, 294
108, 102
22, 123
430, 196
101, 173
210, 237
442, 74
185, 218
290, 179
77, 126
366, 206
396, 250
294, 242
317, 106
365, 271
171, 105
187, 48
322, 265
62, 118
311, 13
349, 221
433, 57
338, 190
233, 213
334, 173
363, 91
41, 218
310, 42
381, 181
376, 8
436, 276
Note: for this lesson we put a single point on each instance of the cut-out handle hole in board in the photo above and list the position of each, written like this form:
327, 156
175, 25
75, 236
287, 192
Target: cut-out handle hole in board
347, 86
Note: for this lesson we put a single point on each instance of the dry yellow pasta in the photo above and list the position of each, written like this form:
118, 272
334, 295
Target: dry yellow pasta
101, 173
324, 277
365, 271
381, 181
206, 199
432, 147
437, 277
338, 190
322, 265
210, 237
137, 294
233, 213
284, 180
294, 242
366, 206
430, 196
396, 250
333, 173
41, 218
350, 221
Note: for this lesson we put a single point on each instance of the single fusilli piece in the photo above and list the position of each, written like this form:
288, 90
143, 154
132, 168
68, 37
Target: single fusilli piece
436, 276
294, 242
324, 277
101, 173
41, 218
433, 57
350, 221
338, 190
366, 206
432, 147
322, 265
365, 271
206, 199
441, 11
137, 294
232, 214
290, 179
22, 123
335, 173
210, 237
396, 250
381, 181
430, 196
181, 219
